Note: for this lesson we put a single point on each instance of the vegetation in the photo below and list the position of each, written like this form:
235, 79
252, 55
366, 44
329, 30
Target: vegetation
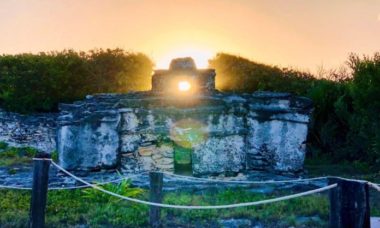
287, 212
79, 207
37, 83
11, 156
346, 123
96, 209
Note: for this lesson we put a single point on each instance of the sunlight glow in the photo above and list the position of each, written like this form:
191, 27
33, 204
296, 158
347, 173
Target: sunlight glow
184, 86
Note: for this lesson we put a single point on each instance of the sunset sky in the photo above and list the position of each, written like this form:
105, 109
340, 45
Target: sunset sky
298, 33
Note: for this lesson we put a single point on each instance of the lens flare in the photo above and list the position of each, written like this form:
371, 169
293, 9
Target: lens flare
188, 133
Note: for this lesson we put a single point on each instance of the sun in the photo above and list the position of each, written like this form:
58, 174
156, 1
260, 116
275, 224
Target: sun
200, 56
184, 86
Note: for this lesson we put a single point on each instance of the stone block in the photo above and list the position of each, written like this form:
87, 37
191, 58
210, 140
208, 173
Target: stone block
130, 142
89, 145
147, 151
219, 155
130, 122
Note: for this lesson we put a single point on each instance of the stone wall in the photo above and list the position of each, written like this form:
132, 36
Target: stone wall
38, 131
217, 133
212, 134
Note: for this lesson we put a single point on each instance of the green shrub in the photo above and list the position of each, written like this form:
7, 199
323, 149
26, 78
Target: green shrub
54, 155
30, 83
242, 75
123, 188
365, 120
346, 120
15, 156
3, 145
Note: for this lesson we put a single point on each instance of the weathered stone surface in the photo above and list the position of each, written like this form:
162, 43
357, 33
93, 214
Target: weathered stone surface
271, 130
129, 142
37, 131
156, 157
219, 155
264, 131
280, 143
210, 131
165, 81
228, 123
147, 151
186, 63
92, 143
130, 122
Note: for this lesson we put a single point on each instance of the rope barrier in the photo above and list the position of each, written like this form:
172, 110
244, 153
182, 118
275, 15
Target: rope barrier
243, 182
199, 179
375, 186
67, 188
42, 159
195, 179
195, 207
15, 187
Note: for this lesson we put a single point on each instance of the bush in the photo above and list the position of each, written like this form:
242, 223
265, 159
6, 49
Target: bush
242, 75
365, 92
37, 83
346, 123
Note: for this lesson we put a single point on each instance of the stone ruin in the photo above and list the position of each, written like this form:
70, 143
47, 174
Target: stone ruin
200, 131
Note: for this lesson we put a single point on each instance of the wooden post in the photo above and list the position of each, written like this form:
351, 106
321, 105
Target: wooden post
156, 183
349, 204
39, 191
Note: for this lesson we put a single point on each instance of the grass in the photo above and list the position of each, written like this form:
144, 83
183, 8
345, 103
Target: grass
75, 207
323, 166
68, 208
11, 156
92, 208
287, 212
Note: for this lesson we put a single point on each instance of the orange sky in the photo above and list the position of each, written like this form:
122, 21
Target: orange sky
298, 33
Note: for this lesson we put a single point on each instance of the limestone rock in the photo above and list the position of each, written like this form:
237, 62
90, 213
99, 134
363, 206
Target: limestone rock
186, 63
232, 132
92, 143
147, 151
130, 122
37, 131
217, 133
219, 155
130, 142
264, 131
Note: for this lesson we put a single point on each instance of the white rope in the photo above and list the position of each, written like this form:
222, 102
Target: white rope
195, 207
100, 183
196, 179
199, 179
241, 181
375, 186
67, 188
42, 159
14, 187
71, 187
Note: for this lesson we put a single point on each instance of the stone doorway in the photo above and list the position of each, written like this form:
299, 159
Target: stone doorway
183, 160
